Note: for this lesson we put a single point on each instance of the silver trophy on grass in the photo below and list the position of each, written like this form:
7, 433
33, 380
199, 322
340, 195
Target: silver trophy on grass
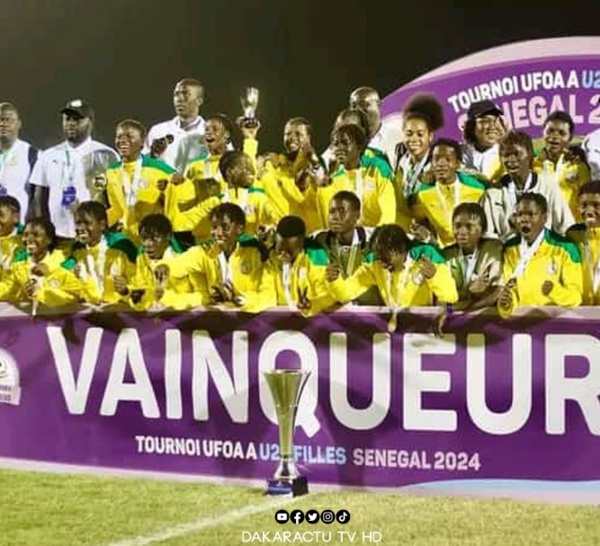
286, 388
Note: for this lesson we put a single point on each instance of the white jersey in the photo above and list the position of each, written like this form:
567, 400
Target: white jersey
16, 165
485, 162
68, 172
591, 147
173, 154
386, 139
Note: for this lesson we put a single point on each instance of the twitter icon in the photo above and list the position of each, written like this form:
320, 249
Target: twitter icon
312, 516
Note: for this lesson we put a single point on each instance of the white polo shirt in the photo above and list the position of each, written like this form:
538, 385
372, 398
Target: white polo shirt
173, 127
483, 162
387, 138
591, 147
15, 170
64, 165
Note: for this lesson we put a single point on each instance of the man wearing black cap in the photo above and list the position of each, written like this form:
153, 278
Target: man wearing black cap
65, 174
482, 131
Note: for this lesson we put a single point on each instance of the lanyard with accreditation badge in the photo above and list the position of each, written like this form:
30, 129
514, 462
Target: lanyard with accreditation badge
132, 185
69, 192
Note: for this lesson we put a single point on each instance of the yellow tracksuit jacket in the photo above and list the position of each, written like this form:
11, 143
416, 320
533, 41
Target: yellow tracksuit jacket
245, 266
427, 204
252, 200
571, 177
286, 198
588, 243
405, 288
10, 245
57, 288
307, 273
148, 199
558, 260
97, 283
378, 195
180, 293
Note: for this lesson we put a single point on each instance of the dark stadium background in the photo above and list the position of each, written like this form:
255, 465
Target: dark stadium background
305, 56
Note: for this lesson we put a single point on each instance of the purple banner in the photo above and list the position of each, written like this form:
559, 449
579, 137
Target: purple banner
528, 81
493, 399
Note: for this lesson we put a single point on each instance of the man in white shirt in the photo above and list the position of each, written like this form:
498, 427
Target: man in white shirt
180, 139
66, 174
17, 158
383, 136
591, 147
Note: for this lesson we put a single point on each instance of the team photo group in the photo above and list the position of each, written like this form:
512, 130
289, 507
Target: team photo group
195, 213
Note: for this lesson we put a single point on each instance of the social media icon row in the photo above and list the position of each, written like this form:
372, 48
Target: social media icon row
312, 516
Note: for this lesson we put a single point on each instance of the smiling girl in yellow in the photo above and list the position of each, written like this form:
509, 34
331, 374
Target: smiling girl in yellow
238, 171
285, 175
370, 180
433, 204
137, 185
233, 264
103, 261
587, 237
205, 168
35, 273
203, 176
149, 290
556, 164
540, 267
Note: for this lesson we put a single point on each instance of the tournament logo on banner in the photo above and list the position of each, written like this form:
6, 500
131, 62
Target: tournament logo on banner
10, 388
527, 80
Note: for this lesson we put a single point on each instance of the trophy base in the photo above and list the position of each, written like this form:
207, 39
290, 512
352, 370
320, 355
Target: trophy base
294, 487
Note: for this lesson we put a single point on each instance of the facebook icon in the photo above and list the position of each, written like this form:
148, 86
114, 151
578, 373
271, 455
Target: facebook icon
297, 516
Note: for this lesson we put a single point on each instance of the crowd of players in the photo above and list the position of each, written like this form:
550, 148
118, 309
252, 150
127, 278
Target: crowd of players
180, 217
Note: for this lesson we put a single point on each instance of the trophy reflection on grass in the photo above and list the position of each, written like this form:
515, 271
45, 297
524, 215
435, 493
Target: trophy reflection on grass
286, 388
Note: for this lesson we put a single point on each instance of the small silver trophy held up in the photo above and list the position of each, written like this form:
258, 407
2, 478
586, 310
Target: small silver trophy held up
249, 101
286, 388
95, 165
